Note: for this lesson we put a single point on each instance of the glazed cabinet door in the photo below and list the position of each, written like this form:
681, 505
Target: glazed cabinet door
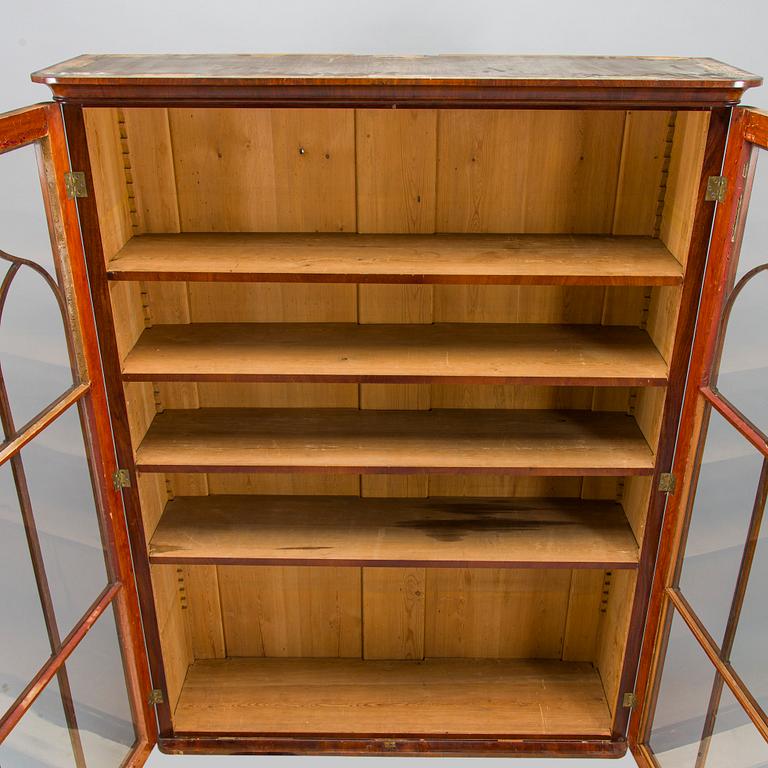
703, 684
74, 684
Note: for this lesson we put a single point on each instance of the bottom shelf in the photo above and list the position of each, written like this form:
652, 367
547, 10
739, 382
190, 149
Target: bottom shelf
437, 696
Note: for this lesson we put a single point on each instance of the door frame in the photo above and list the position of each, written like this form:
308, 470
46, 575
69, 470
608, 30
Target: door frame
748, 135
41, 125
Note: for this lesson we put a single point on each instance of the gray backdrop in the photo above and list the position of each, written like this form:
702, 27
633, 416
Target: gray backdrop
33, 35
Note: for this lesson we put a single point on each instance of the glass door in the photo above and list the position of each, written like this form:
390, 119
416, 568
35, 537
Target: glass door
74, 683
703, 684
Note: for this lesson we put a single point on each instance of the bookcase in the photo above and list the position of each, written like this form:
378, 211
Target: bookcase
395, 377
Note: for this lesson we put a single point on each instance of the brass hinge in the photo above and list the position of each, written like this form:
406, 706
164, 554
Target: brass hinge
629, 700
121, 479
74, 183
155, 696
716, 187
667, 482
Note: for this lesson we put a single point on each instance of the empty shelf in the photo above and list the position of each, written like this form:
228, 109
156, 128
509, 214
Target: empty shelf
584, 355
537, 442
444, 258
347, 696
348, 530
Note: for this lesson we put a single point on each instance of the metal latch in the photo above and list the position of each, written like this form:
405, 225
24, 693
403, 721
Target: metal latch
667, 482
121, 479
155, 696
629, 700
74, 183
389, 744
716, 186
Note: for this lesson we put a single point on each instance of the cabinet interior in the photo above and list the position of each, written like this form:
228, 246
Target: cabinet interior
318, 566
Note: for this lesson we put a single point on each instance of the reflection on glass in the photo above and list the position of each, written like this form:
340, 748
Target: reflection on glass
23, 224
748, 655
743, 375
684, 693
41, 738
33, 347
735, 742
65, 512
753, 246
722, 508
97, 680
24, 645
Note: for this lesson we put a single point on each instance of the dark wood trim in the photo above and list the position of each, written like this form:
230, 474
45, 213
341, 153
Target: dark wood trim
428, 745
724, 669
23, 126
112, 398
38, 424
28, 696
152, 93
734, 417
720, 270
740, 591
678, 370
97, 431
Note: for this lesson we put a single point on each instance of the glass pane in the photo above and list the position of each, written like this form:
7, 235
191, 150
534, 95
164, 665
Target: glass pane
102, 708
684, 694
735, 742
41, 738
33, 347
722, 508
749, 651
754, 246
23, 224
65, 512
743, 375
24, 645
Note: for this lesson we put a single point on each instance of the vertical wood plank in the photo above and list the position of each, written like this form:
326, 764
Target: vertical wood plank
527, 170
496, 613
291, 611
393, 613
396, 169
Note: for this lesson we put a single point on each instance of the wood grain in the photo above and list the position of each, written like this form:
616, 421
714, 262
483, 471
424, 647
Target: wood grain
393, 613
390, 697
339, 530
397, 258
496, 613
373, 441
468, 353
291, 611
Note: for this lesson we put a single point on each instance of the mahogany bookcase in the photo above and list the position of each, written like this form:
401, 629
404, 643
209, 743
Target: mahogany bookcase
396, 377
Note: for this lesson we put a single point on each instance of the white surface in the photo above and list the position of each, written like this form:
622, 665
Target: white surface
37, 34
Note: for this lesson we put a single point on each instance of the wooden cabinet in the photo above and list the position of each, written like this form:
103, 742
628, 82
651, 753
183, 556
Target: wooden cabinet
395, 353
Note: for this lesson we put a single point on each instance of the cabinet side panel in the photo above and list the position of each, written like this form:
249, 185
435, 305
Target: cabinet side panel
175, 638
613, 632
646, 148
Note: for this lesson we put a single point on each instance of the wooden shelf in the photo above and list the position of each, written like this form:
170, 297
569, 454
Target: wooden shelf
352, 258
346, 696
463, 353
348, 530
347, 440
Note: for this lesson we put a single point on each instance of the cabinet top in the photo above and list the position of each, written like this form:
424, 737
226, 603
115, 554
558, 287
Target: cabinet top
349, 80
